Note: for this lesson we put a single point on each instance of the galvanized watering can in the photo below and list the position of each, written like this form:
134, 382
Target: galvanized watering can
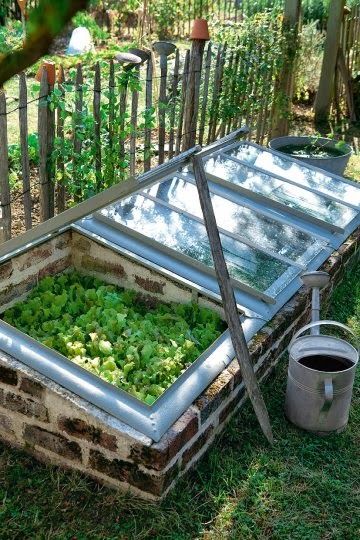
321, 371
320, 380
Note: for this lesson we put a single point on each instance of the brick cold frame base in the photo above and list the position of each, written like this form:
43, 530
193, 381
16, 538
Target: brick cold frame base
58, 427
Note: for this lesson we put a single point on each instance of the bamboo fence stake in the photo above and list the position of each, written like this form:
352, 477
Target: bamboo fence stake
199, 35
229, 303
79, 102
5, 231
174, 90
43, 132
97, 124
182, 103
133, 121
148, 107
205, 94
25, 166
61, 191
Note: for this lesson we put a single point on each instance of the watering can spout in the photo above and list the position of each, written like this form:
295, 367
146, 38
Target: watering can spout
315, 280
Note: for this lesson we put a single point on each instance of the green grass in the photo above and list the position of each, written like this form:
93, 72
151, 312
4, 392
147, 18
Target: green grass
304, 487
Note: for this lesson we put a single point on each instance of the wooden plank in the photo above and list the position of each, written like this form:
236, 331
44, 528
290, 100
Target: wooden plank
193, 93
182, 103
60, 166
43, 148
324, 94
148, 109
205, 95
5, 218
97, 125
227, 294
25, 165
174, 91
77, 117
162, 107
133, 122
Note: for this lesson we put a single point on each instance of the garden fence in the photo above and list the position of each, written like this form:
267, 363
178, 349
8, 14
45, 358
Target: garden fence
99, 124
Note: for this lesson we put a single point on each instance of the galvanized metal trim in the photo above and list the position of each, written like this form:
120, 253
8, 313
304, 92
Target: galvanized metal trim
181, 257
275, 204
224, 141
289, 181
65, 219
153, 420
225, 232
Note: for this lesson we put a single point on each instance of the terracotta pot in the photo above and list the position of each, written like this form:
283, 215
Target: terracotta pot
22, 5
200, 30
50, 70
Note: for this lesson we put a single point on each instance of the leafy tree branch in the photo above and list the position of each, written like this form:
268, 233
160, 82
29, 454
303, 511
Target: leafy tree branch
45, 22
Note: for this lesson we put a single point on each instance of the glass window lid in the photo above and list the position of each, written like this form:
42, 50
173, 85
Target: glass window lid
248, 224
251, 269
292, 170
297, 199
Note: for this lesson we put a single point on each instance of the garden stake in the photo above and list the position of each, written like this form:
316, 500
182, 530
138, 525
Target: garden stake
229, 303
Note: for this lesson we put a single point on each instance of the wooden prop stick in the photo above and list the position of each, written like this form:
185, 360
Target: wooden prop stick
229, 303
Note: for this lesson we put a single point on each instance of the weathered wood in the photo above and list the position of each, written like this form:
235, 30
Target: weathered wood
79, 102
174, 91
346, 77
111, 103
233, 85
162, 107
44, 188
227, 89
97, 125
324, 94
60, 166
205, 96
122, 115
148, 112
25, 165
182, 103
133, 121
50, 156
193, 93
284, 88
5, 207
229, 302
217, 92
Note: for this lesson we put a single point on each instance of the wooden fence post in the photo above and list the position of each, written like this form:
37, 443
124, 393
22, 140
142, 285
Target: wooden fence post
79, 99
43, 147
61, 191
148, 107
97, 125
199, 35
324, 94
182, 103
284, 88
5, 218
25, 166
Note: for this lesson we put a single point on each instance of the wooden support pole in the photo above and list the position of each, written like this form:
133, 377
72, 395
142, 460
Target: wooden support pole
199, 35
77, 143
60, 165
45, 210
325, 91
5, 207
148, 108
25, 166
229, 302
284, 87
97, 125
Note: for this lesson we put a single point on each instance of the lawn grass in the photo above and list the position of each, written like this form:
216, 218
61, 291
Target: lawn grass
304, 487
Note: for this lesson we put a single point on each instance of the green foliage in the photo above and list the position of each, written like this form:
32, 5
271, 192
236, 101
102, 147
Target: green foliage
308, 62
109, 332
11, 36
88, 21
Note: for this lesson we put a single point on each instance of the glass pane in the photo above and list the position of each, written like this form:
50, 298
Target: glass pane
189, 237
269, 233
287, 168
280, 191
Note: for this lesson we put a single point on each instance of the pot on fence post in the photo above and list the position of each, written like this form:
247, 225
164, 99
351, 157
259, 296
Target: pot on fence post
199, 35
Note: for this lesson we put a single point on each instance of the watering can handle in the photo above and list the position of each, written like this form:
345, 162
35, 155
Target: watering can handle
320, 323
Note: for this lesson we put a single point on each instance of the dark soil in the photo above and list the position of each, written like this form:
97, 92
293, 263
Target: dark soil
310, 151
